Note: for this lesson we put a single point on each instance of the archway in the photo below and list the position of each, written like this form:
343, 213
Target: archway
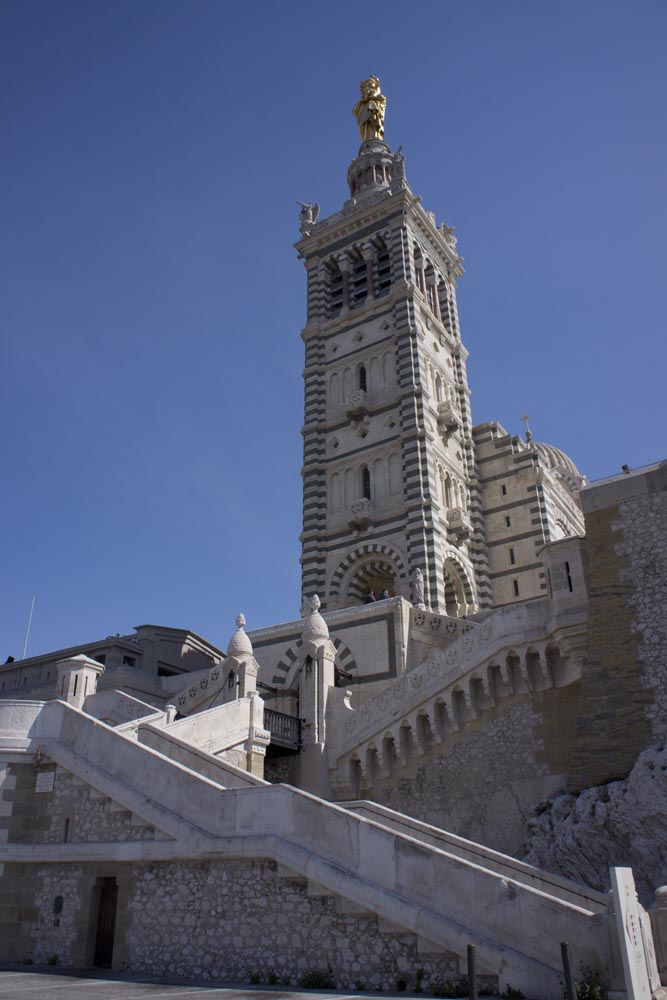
369, 566
459, 595
376, 576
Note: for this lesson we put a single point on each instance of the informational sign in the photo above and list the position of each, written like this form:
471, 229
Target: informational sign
44, 781
639, 964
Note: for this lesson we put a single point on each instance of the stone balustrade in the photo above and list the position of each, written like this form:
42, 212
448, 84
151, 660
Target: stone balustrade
361, 506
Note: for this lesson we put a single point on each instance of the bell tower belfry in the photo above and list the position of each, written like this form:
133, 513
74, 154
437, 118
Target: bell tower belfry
389, 487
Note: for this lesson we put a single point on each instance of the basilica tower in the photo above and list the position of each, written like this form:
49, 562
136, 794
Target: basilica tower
389, 487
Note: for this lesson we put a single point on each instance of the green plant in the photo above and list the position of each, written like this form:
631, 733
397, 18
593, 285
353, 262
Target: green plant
273, 979
255, 978
590, 986
401, 985
359, 984
510, 993
419, 976
318, 979
451, 988
52, 960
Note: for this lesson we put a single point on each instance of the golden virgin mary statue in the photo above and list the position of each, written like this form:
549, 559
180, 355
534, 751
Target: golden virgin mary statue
369, 110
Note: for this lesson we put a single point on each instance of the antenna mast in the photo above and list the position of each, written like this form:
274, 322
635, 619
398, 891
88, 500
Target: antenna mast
27, 633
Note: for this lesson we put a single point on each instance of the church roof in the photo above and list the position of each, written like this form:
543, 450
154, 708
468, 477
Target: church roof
559, 463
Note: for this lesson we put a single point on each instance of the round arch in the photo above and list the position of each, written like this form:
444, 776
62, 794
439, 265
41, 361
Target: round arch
369, 565
459, 591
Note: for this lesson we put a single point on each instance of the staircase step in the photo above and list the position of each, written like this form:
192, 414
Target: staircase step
344, 905
386, 926
315, 890
426, 947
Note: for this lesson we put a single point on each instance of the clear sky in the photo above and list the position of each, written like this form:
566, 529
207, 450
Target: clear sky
151, 301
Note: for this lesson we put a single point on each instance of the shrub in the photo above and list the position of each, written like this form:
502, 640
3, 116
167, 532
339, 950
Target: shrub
590, 986
318, 979
451, 988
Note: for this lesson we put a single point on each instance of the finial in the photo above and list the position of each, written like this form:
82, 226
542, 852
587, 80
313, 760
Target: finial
369, 110
314, 625
239, 645
529, 436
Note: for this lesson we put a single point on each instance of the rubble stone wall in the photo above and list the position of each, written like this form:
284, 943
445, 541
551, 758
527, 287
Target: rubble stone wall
486, 782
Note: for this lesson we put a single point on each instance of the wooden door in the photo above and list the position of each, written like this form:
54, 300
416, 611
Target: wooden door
106, 923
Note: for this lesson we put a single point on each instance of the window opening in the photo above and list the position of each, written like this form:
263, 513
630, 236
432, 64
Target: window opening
383, 266
512, 557
336, 291
366, 483
515, 586
363, 380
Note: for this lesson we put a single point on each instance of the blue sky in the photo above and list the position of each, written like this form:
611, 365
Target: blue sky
152, 302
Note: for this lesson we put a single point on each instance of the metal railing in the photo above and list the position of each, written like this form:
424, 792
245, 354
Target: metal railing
285, 729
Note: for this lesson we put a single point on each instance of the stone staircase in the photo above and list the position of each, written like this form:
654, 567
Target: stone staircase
514, 651
408, 877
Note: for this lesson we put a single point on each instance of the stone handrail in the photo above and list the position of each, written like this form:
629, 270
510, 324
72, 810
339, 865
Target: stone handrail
222, 727
441, 625
123, 709
503, 864
430, 891
220, 771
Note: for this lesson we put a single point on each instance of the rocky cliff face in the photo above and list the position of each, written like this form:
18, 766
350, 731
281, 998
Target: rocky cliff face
620, 823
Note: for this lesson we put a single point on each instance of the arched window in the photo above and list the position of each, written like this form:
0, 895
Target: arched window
365, 482
382, 270
361, 377
335, 289
419, 269
358, 281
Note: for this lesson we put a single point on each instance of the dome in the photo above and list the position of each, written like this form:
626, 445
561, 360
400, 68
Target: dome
239, 645
556, 459
561, 465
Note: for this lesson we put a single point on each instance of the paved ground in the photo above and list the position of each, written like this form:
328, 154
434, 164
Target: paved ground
18, 983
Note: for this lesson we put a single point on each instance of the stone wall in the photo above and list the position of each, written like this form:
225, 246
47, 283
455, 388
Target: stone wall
224, 910
486, 782
643, 523
88, 818
210, 920
283, 768
624, 686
